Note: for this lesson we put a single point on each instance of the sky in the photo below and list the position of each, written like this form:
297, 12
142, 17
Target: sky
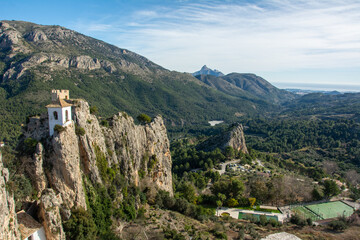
316, 43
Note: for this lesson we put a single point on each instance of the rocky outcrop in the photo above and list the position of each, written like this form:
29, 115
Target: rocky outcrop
65, 176
56, 62
50, 215
92, 138
35, 169
8, 221
36, 36
141, 151
233, 137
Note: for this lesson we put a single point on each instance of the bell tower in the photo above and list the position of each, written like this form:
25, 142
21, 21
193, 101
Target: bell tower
59, 110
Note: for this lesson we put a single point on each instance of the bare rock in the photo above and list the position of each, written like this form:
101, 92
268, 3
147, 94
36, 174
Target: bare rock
233, 137
36, 169
50, 214
65, 176
143, 151
36, 36
11, 39
93, 138
8, 221
85, 62
108, 66
236, 139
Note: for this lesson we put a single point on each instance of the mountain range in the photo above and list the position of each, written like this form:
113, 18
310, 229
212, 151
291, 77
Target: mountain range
36, 58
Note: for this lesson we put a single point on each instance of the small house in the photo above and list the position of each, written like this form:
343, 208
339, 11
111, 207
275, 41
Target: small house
30, 229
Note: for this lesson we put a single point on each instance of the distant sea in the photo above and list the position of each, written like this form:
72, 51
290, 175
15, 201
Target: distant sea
318, 87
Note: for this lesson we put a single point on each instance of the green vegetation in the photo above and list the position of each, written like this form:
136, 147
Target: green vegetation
94, 110
29, 145
107, 173
104, 123
79, 130
143, 118
330, 188
80, 226
58, 128
181, 205
338, 137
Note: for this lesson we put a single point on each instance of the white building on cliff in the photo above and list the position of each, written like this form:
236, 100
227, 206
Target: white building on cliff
59, 111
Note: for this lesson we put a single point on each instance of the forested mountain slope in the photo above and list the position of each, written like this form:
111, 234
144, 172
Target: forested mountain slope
35, 59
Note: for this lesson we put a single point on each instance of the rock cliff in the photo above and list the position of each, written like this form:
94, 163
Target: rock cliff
233, 137
8, 221
85, 152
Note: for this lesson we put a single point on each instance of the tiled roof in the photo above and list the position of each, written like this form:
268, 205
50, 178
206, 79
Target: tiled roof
59, 103
27, 224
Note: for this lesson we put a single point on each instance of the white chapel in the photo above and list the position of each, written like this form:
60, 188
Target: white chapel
59, 111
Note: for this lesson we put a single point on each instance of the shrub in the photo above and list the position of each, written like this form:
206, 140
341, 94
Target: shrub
143, 118
58, 128
141, 174
338, 225
251, 218
152, 162
232, 202
296, 219
309, 221
273, 222
220, 235
104, 123
30, 145
263, 220
252, 201
80, 225
79, 130
172, 234
93, 110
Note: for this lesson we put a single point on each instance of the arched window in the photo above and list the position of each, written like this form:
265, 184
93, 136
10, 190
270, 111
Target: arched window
66, 115
55, 115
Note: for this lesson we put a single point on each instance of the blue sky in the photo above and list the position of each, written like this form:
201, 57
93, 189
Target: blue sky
312, 42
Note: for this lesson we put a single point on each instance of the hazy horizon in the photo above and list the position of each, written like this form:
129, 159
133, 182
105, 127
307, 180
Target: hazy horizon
317, 86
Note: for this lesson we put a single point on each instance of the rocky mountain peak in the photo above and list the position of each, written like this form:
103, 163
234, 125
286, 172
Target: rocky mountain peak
207, 71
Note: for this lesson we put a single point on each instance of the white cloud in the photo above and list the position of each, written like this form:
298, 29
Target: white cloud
271, 35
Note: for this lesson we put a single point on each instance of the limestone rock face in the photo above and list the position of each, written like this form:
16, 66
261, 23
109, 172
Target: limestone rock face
65, 175
233, 137
93, 137
236, 139
35, 169
59, 164
36, 36
85, 62
50, 215
142, 151
8, 221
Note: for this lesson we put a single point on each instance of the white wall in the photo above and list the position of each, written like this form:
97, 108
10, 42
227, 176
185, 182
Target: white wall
38, 235
61, 117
